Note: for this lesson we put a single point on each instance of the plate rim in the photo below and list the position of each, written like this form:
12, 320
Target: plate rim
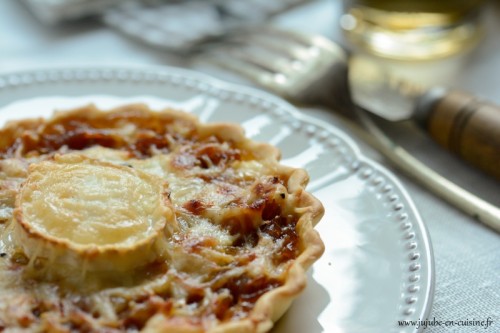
18, 78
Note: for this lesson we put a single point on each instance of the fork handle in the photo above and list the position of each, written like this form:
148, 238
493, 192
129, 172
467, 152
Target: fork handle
465, 125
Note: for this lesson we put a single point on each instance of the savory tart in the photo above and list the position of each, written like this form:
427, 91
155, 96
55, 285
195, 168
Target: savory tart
138, 220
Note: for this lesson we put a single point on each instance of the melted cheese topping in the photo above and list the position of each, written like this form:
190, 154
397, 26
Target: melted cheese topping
88, 203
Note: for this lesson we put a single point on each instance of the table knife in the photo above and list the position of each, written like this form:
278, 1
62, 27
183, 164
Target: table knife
457, 120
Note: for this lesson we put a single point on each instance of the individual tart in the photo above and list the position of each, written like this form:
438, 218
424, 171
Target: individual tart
138, 220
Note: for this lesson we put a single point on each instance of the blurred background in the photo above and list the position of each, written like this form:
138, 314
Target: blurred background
61, 31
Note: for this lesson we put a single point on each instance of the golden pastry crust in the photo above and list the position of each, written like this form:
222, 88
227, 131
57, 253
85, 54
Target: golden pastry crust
232, 230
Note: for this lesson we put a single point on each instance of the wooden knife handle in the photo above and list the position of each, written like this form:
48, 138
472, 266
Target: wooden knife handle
468, 127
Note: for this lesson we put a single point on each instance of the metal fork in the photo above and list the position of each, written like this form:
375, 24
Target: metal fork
304, 69
312, 70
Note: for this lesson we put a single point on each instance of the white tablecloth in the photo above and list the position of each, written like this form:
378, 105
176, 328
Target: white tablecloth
467, 254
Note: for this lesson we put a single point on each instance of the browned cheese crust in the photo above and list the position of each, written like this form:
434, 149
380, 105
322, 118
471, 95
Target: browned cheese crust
228, 234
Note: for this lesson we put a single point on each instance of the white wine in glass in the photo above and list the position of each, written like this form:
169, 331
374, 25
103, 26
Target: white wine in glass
412, 29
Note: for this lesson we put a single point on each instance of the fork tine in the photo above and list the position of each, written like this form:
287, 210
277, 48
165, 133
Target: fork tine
307, 40
286, 47
236, 62
264, 58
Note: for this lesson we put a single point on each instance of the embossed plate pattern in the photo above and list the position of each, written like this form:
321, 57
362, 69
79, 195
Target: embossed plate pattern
377, 268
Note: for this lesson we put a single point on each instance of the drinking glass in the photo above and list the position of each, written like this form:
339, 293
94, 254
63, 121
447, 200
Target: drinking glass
412, 29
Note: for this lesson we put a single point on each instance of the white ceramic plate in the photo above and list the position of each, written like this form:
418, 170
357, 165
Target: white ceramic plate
377, 268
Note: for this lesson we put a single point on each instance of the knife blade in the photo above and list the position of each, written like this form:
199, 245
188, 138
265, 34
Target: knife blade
459, 121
